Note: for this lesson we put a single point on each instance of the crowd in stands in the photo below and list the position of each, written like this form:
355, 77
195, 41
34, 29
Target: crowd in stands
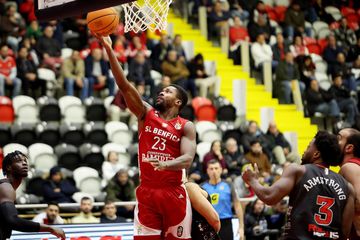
325, 61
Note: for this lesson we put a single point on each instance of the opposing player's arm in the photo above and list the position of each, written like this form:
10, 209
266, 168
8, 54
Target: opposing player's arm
350, 172
281, 188
201, 205
131, 95
239, 212
348, 214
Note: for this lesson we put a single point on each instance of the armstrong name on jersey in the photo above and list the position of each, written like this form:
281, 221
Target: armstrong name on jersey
313, 182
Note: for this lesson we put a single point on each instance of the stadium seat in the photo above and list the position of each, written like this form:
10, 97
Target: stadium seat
50, 77
156, 76
318, 25
321, 66
346, 11
203, 126
66, 53
314, 48
284, 3
6, 109
202, 149
122, 137
72, 109
5, 135
112, 147
199, 101
226, 113
37, 149
72, 133
95, 110
280, 12
315, 57
189, 50
322, 43
48, 133
112, 126
83, 172
49, 109
309, 40
42, 156
23, 133
91, 185
68, 156
26, 110
353, 25
206, 113
124, 158
323, 33
211, 135
11, 147
91, 156
187, 112
95, 133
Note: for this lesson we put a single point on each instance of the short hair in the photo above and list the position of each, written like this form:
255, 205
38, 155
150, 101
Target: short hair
85, 199
328, 146
108, 202
354, 139
213, 161
253, 142
52, 203
9, 159
181, 94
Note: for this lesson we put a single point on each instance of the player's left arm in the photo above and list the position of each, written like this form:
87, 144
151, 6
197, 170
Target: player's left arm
239, 213
187, 151
350, 172
348, 213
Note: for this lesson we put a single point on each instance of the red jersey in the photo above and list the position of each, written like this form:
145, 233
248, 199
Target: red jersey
6, 65
160, 139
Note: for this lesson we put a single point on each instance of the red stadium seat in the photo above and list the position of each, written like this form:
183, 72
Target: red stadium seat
309, 40
346, 10
352, 17
206, 113
280, 12
314, 48
198, 102
322, 43
271, 13
353, 25
6, 110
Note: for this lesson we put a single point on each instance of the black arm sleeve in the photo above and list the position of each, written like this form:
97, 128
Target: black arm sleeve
9, 212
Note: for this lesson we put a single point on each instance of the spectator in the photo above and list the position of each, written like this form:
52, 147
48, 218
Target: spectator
49, 49
354, 51
120, 49
218, 21
73, 72
298, 49
344, 100
340, 67
26, 42
295, 21
12, 27
261, 26
222, 197
281, 148
242, 189
27, 72
159, 52
178, 72
33, 32
255, 221
111, 166
261, 52
177, 46
136, 46
85, 215
109, 214
139, 71
276, 217
97, 71
237, 34
233, 157
279, 49
331, 51
256, 155
319, 100
165, 81
254, 133
50, 216
287, 71
196, 67
237, 10
355, 70
121, 189
345, 35
307, 70
57, 189
8, 72
217, 154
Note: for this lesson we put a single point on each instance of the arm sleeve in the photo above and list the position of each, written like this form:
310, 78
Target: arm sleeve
10, 215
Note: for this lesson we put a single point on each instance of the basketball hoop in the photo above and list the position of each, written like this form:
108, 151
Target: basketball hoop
146, 14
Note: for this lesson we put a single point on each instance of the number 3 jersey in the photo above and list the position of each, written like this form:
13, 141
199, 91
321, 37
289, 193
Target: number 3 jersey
160, 139
316, 205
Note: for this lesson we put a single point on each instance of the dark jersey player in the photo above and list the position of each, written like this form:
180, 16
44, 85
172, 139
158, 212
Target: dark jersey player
166, 146
321, 202
15, 168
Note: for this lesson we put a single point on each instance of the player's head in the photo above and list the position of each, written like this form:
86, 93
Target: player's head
343, 136
52, 211
86, 205
15, 164
171, 96
350, 146
324, 148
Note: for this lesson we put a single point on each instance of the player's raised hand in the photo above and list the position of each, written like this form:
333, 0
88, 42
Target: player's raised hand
156, 163
250, 174
104, 40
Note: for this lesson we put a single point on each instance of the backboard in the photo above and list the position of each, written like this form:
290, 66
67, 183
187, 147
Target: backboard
46, 10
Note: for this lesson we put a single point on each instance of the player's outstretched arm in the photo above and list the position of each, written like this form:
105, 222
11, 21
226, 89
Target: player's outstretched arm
348, 214
132, 97
281, 188
202, 205
10, 214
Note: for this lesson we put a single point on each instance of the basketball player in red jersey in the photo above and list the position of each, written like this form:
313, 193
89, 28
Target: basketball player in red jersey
349, 141
167, 145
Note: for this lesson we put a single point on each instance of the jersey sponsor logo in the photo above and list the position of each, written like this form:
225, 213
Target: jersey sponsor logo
310, 183
180, 231
177, 125
157, 155
181, 196
214, 198
320, 232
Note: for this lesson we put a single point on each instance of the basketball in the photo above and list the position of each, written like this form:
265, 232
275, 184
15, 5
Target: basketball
103, 22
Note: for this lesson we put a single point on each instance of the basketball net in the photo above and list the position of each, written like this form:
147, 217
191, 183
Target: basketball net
146, 14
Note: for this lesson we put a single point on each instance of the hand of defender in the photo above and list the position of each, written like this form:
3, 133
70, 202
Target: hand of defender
104, 40
158, 165
58, 232
250, 175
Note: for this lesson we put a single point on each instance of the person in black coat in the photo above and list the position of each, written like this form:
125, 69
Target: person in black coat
139, 72
159, 52
109, 214
57, 189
